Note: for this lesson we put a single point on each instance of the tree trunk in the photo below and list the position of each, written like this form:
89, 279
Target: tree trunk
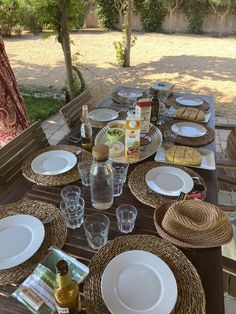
221, 25
65, 43
222, 22
170, 21
128, 32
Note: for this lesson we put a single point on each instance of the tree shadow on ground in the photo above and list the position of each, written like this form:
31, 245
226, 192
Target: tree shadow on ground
189, 73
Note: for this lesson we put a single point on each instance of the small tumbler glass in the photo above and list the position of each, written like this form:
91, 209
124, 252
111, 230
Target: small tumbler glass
84, 171
73, 214
71, 193
96, 228
120, 171
126, 215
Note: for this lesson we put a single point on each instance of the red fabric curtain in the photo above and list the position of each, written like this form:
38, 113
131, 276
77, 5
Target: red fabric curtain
13, 116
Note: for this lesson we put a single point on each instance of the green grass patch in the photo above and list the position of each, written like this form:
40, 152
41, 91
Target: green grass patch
41, 108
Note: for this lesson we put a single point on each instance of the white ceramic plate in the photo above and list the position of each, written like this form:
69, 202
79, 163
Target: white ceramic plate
138, 282
189, 101
129, 94
20, 237
188, 129
103, 114
169, 181
208, 157
53, 162
146, 151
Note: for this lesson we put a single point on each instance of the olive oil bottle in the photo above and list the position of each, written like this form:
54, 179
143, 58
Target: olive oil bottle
86, 129
155, 107
66, 294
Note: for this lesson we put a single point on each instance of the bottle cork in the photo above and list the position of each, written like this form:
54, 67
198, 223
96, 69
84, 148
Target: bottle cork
100, 152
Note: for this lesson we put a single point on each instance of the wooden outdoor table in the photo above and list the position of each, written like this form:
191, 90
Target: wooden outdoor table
208, 262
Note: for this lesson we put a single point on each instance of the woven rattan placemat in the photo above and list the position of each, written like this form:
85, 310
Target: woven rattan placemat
101, 124
191, 298
189, 141
55, 234
171, 101
55, 180
144, 194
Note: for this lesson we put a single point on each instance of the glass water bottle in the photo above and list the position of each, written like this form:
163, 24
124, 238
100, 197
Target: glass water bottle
101, 177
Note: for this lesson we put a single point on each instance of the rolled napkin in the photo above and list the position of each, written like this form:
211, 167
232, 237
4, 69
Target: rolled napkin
197, 222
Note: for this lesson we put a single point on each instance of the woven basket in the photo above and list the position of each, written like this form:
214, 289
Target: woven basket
191, 297
55, 234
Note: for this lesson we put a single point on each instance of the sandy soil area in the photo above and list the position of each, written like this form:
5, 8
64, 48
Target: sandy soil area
199, 64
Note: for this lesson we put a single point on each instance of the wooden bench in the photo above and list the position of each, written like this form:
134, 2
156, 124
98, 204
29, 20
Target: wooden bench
15, 152
73, 110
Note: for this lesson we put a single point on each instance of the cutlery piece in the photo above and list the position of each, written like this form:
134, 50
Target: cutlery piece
78, 152
45, 220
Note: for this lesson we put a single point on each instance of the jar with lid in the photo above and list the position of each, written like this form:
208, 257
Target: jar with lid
101, 178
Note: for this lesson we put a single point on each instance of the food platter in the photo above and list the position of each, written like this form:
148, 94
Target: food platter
146, 151
208, 157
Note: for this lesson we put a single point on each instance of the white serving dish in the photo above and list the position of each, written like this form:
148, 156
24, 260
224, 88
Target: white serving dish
146, 151
208, 157
173, 110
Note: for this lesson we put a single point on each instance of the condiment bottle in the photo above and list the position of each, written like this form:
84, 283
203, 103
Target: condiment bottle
155, 107
66, 294
101, 178
86, 129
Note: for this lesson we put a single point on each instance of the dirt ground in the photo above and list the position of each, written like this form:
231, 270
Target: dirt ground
199, 64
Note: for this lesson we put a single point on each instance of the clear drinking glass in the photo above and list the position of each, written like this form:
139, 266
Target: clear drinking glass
73, 214
96, 228
70, 193
120, 171
84, 171
126, 215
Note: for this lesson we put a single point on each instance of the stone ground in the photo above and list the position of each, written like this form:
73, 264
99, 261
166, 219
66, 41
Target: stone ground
198, 64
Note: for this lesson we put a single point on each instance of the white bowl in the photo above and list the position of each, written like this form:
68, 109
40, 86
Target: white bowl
118, 124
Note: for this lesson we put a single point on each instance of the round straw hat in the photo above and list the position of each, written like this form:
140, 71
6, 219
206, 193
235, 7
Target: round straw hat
193, 223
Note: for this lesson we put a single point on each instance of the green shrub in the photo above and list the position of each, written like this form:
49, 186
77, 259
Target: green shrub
106, 13
152, 14
195, 11
119, 46
11, 17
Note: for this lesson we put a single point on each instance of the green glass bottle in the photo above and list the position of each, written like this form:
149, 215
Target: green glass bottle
66, 294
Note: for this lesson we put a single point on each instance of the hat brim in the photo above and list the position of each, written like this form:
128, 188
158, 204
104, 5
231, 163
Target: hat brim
158, 218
